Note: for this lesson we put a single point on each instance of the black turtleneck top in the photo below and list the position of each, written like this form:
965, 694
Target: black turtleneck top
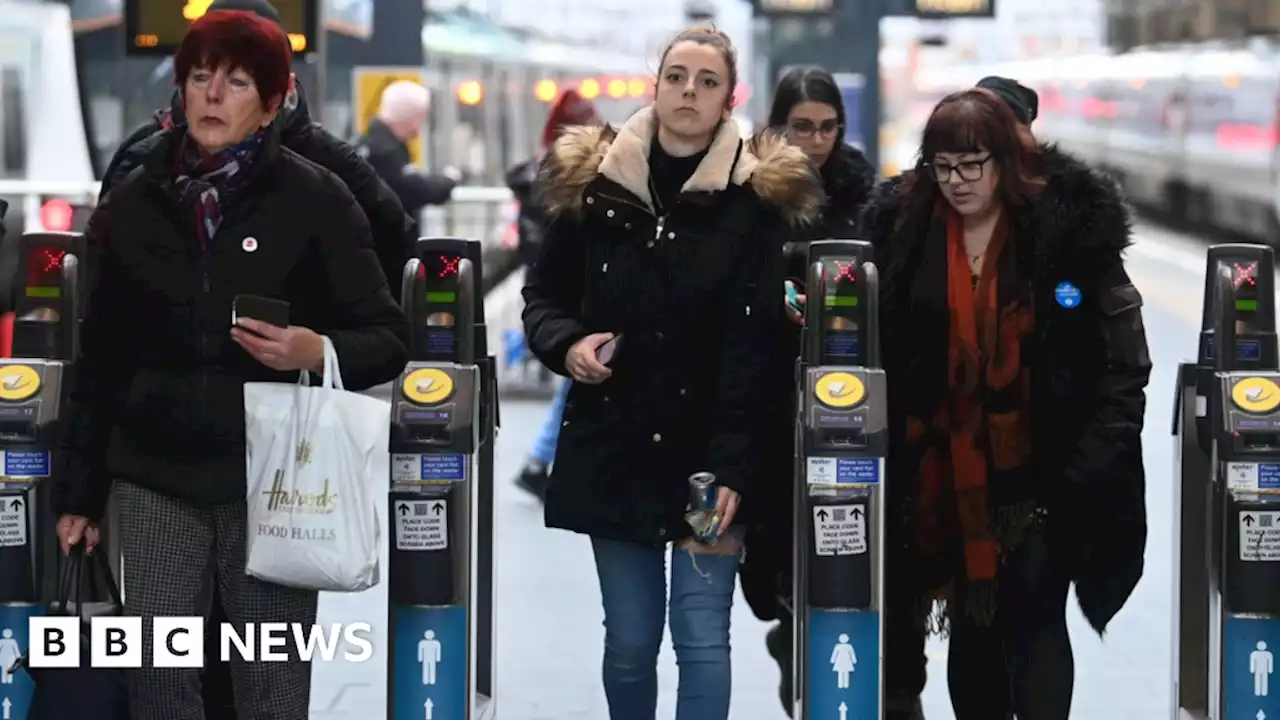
667, 174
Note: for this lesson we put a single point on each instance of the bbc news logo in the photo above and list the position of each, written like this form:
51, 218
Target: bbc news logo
178, 642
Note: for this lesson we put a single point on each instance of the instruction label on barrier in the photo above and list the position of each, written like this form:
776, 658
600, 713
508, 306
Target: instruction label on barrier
1260, 536
1253, 476
13, 521
428, 469
25, 463
840, 529
844, 471
422, 524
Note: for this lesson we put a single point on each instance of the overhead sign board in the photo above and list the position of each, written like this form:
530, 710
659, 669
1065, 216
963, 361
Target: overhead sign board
156, 27
943, 9
775, 8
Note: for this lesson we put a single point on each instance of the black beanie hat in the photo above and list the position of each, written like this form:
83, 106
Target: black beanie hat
1024, 101
261, 8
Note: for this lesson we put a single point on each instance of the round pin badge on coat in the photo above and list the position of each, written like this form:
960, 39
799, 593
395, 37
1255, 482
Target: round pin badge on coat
249, 244
1067, 295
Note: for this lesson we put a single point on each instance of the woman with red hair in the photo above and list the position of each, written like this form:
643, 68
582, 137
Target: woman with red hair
216, 209
570, 110
1017, 366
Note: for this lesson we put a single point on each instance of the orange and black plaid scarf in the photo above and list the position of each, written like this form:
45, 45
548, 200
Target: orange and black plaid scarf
971, 495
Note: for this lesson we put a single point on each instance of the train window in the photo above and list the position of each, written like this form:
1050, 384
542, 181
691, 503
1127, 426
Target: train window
13, 136
1253, 102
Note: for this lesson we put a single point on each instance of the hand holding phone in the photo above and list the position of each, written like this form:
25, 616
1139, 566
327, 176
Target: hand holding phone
263, 309
795, 301
583, 360
608, 351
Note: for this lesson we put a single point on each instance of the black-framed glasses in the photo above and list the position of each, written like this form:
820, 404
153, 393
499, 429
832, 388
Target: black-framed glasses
806, 128
969, 171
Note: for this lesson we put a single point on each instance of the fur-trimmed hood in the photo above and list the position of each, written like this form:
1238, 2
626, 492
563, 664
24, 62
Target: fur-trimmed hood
1080, 213
780, 174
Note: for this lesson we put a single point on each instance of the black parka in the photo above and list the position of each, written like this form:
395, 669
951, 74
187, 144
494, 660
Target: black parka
696, 297
1089, 374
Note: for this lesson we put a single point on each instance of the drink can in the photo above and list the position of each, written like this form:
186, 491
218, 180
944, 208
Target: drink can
702, 491
702, 516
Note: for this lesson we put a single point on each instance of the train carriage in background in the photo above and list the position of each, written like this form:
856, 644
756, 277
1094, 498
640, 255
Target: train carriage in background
1192, 132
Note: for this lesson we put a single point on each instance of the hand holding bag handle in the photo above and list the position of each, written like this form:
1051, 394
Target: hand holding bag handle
75, 566
70, 585
332, 373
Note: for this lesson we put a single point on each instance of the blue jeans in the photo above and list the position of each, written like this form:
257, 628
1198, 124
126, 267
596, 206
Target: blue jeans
544, 447
633, 585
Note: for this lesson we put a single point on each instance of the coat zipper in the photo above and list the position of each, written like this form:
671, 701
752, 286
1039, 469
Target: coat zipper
204, 340
661, 219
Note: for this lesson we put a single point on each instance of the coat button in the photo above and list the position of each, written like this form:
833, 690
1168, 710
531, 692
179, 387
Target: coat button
662, 532
649, 244
590, 200
627, 226
657, 437
610, 213
682, 391
671, 236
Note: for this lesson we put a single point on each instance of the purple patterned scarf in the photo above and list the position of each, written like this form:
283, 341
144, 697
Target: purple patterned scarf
211, 184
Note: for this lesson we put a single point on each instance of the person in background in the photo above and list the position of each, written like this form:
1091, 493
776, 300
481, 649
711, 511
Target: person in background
570, 110
808, 108
1017, 364
656, 291
402, 111
216, 208
394, 232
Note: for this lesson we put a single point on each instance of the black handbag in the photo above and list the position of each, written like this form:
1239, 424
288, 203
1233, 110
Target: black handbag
85, 691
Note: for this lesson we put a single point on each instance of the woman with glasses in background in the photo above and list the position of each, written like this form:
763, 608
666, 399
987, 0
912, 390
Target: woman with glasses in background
808, 109
1017, 365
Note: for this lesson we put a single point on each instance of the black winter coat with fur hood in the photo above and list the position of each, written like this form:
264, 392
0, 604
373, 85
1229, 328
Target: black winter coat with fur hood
696, 297
1089, 372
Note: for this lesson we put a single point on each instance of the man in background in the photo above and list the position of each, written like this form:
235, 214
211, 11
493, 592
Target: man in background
402, 112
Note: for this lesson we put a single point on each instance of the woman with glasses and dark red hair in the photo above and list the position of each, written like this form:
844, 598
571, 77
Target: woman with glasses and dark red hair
217, 208
1017, 365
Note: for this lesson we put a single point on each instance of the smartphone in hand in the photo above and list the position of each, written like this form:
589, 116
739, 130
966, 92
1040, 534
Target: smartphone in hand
608, 351
793, 297
263, 309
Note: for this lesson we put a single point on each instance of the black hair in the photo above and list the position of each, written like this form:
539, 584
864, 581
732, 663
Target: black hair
806, 84
261, 8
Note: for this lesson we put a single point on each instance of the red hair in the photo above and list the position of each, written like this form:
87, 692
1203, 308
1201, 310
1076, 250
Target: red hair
239, 40
570, 109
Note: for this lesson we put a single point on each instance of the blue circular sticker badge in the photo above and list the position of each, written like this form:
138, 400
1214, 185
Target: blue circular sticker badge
1068, 295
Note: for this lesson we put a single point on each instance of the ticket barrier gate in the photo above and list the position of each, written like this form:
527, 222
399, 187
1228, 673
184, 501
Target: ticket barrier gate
48, 306
1227, 423
443, 424
839, 505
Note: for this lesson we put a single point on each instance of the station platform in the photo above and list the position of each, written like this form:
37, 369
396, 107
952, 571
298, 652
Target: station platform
549, 622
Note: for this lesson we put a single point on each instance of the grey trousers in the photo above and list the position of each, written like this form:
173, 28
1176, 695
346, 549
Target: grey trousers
173, 553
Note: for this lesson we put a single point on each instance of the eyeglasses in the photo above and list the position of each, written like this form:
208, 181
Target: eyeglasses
969, 171
806, 128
